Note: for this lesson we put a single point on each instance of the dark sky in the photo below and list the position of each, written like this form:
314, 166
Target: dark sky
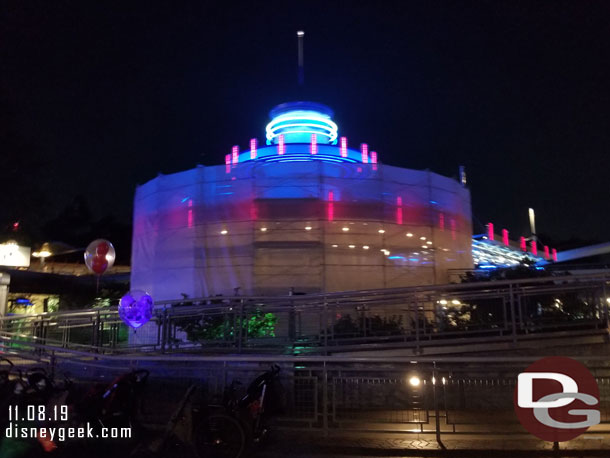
108, 94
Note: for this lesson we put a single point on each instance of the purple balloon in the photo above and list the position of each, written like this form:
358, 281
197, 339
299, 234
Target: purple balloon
136, 308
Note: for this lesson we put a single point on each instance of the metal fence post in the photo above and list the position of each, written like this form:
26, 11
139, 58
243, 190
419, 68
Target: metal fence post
94, 326
325, 326
163, 330
436, 409
292, 331
416, 306
325, 399
605, 306
241, 326
224, 374
511, 300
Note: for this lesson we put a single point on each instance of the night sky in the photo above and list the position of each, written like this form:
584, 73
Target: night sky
97, 97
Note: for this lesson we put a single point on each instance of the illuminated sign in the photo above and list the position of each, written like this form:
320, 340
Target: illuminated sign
13, 255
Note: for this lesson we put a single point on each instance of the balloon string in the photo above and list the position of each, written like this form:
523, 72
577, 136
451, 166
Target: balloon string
97, 284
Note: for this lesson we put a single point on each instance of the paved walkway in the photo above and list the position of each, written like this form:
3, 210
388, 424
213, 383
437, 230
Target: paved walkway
297, 444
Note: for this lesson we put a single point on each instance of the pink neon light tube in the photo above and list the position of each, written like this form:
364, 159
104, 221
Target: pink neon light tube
343, 146
253, 147
235, 154
364, 149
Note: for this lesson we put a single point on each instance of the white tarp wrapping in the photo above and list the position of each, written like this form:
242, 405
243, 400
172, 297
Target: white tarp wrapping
267, 227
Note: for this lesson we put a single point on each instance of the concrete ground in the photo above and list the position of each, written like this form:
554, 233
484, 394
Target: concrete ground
299, 444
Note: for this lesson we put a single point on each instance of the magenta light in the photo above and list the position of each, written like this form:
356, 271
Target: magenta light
228, 163
281, 147
547, 254
490, 231
534, 248
235, 154
190, 213
522, 244
364, 148
441, 221
331, 207
343, 147
453, 225
374, 159
505, 236
314, 144
554, 253
253, 146
399, 210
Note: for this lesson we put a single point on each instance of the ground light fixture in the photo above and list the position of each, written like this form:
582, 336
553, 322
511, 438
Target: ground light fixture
414, 380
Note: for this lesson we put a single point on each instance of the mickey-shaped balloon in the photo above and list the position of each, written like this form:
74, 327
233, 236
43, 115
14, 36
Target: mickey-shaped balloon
99, 256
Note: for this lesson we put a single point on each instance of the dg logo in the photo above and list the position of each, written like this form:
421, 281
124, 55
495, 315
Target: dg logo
557, 399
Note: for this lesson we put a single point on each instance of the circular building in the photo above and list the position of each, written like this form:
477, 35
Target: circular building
304, 212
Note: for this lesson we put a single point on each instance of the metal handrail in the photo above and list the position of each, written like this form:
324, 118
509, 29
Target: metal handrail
422, 319
71, 354
317, 299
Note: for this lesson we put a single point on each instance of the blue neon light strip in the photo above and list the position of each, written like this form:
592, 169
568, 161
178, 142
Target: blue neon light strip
302, 122
308, 158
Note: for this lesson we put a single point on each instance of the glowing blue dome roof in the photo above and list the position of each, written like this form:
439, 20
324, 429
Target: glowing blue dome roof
298, 121
301, 132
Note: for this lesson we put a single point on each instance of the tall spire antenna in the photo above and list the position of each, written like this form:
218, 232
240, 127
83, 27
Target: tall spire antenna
300, 35
532, 216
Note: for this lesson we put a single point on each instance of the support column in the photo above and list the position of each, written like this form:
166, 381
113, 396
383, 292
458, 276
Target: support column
5, 280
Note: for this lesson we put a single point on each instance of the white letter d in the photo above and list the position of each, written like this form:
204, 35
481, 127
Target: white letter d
525, 389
